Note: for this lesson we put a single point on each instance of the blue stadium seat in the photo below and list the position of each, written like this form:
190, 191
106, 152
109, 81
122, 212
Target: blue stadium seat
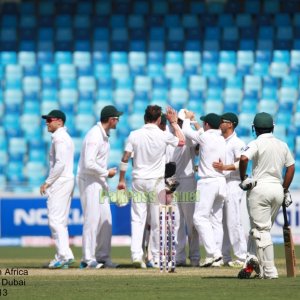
248, 107
270, 81
31, 84
84, 122
190, 21
173, 70
279, 69
13, 72
281, 56
102, 71
82, 59
159, 95
120, 70
260, 69
225, 20
63, 57
269, 93
123, 98
243, 20
27, 58
68, 97
282, 19
271, 6
209, 69
252, 83
288, 95
234, 82
233, 95
263, 56
142, 83
49, 71
213, 106
290, 81
66, 71
178, 97
13, 97
267, 106
86, 84
226, 70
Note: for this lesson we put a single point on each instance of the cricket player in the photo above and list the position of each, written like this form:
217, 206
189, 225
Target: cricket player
185, 195
92, 177
59, 187
234, 235
211, 186
148, 187
266, 193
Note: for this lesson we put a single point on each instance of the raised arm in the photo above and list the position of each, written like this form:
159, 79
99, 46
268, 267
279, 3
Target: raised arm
123, 169
172, 118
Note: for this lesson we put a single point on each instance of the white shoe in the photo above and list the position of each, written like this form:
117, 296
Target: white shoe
216, 264
139, 264
235, 264
57, 264
209, 261
91, 265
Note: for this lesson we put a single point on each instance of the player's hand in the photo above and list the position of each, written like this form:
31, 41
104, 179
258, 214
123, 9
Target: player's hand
171, 115
190, 115
121, 185
218, 165
112, 172
287, 198
248, 184
43, 188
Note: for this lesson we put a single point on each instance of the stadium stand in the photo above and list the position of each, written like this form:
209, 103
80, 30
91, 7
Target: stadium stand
240, 56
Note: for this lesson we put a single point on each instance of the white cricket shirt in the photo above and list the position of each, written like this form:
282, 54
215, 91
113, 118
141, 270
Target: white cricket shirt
234, 147
94, 154
269, 155
61, 156
212, 149
149, 145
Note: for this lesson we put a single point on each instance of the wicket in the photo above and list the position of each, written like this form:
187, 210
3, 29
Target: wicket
167, 246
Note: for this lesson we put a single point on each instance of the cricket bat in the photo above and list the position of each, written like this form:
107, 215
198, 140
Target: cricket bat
290, 258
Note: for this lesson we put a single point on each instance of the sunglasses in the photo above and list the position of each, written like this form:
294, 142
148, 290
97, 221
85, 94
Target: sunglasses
50, 120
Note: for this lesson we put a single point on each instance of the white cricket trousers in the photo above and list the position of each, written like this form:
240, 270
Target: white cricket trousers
58, 204
146, 193
264, 202
97, 221
209, 214
186, 198
234, 234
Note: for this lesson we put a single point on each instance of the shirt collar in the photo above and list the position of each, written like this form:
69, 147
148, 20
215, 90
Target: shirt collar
150, 126
265, 136
56, 132
231, 136
103, 132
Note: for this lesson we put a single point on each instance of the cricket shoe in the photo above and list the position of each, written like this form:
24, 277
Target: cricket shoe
69, 262
235, 263
209, 261
152, 264
108, 264
57, 264
91, 265
251, 265
139, 264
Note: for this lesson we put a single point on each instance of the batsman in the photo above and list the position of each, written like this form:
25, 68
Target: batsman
266, 192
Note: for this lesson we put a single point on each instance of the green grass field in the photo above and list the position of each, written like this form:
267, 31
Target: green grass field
129, 283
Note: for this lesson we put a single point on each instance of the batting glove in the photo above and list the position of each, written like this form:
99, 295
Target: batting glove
248, 184
287, 198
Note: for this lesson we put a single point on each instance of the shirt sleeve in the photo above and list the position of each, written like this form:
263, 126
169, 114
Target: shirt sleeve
129, 144
190, 133
289, 157
238, 148
61, 153
250, 150
171, 139
91, 152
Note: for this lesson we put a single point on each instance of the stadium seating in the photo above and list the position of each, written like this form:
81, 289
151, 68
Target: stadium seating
214, 56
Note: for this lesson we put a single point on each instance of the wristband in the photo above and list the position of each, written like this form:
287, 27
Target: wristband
123, 166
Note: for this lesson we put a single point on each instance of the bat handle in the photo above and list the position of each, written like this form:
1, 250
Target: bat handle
285, 218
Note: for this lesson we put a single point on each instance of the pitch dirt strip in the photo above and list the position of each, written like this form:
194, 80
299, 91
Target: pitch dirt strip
180, 272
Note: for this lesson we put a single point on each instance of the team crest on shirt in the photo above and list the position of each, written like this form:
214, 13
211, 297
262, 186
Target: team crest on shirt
245, 148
